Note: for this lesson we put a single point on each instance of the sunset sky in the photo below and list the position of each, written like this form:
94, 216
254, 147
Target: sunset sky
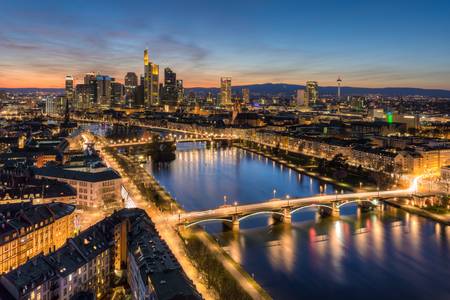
368, 43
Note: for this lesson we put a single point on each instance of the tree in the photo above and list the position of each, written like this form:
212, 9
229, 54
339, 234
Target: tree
162, 151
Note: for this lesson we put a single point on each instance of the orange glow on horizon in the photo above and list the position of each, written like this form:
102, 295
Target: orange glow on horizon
31, 79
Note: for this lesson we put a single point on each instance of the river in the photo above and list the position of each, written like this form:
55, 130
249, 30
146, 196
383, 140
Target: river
388, 254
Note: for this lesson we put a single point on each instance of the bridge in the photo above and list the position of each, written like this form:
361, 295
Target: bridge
283, 210
143, 142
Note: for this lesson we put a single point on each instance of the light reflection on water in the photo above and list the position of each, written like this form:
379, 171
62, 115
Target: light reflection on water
378, 255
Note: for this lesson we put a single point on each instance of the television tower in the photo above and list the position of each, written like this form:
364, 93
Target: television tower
339, 80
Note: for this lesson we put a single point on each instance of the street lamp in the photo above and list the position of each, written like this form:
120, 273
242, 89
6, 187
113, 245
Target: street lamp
235, 206
274, 193
179, 216
360, 185
224, 200
288, 197
336, 192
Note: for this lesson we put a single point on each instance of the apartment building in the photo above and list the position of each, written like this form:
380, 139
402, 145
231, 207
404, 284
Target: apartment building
27, 230
96, 187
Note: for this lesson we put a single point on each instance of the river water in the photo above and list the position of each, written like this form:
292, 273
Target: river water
386, 254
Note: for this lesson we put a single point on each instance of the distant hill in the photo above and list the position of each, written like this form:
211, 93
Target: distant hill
33, 90
286, 90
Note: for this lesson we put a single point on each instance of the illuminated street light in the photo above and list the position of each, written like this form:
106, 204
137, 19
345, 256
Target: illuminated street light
235, 206
224, 200
274, 193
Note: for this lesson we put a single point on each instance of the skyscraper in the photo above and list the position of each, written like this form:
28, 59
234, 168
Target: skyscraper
86, 93
180, 90
104, 89
225, 90
131, 83
69, 88
301, 99
312, 92
245, 95
131, 80
151, 81
339, 81
89, 77
169, 92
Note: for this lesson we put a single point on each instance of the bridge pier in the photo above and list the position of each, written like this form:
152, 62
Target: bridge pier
234, 224
285, 217
335, 211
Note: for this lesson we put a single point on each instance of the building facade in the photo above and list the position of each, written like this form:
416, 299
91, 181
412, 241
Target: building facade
312, 92
88, 261
96, 188
27, 230
225, 90
151, 81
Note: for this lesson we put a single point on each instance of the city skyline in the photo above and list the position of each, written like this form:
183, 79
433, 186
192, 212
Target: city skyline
250, 42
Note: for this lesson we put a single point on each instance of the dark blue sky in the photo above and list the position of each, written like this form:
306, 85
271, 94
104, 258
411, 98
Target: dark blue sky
368, 43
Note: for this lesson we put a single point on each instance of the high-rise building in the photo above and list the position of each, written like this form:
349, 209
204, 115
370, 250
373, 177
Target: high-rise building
180, 90
131, 83
225, 90
339, 81
169, 92
131, 80
312, 92
117, 93
86, 93
69, 88
151, 81
246, 95
104, 90
170, 77
300, 99
89, 77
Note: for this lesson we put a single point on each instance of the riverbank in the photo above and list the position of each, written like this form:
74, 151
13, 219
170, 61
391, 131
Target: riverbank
229, 280
445, 220
299, 169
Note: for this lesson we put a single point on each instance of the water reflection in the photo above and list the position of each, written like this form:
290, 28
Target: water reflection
385, 254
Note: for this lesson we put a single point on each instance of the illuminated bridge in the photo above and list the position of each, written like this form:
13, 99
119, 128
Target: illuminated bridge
283, 209
131, 143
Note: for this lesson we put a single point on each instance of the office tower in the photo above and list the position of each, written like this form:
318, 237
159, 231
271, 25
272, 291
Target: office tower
225, 90
245, 95
339, 81
131, 80
209, 98
169, 92
89, 77
131, 83
147, 77
151, 81
104, 90
312, 92
86, 95
170, 77
117, 93
69, 88
180, 90
52, 106
300, 99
